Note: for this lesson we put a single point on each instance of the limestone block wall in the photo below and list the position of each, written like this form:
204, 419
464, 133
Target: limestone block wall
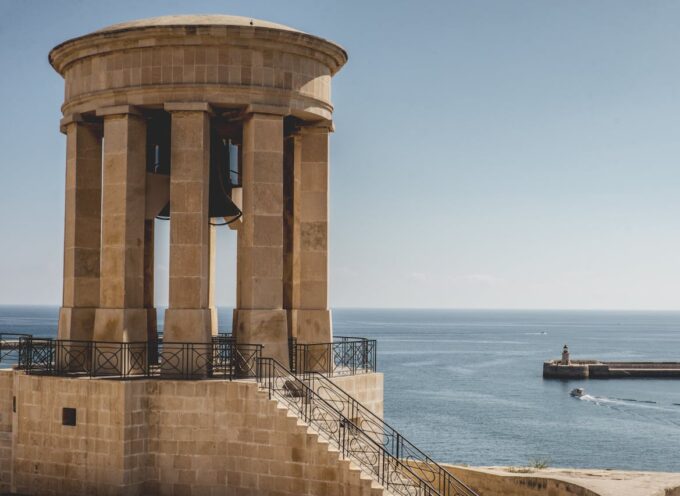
365, 388
519, 485
164, 438
102, 454
6, 383
201, 64
211, 437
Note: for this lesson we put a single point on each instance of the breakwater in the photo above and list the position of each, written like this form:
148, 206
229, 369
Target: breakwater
595, 369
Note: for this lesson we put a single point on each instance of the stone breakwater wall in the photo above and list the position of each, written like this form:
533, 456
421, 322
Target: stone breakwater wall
594, 369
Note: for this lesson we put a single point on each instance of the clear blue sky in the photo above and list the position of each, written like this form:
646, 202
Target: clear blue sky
487, 154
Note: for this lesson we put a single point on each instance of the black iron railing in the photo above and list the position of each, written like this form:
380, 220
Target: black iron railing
221, 358
389, 438
346, 355
350, 439
9, 346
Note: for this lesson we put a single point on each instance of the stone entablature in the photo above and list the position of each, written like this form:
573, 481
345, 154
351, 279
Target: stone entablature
223, 60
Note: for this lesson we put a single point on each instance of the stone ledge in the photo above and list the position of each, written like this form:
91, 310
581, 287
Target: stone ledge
505, 481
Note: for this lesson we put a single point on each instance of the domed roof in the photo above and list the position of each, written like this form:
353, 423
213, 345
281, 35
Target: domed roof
124, 36
195, 20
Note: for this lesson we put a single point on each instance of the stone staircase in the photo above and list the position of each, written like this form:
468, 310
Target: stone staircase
435, 475
364, 450
349, 479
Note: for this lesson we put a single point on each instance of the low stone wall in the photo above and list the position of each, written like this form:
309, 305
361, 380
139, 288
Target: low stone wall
487, 484
6, 388
506, 481
365, 388
158, 437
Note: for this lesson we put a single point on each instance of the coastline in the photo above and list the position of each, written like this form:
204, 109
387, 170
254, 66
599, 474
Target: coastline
524, 481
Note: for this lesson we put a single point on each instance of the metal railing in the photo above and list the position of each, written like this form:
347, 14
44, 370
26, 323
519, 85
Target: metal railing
350, 439
221, 359
9, 346
346, 355
388, 437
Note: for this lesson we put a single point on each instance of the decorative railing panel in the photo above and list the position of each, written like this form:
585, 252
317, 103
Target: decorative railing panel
220, 358
10, 346
344, 356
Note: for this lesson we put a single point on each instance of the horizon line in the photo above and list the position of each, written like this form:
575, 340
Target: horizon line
461, 309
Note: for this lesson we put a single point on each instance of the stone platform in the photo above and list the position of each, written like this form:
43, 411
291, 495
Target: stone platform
84, 436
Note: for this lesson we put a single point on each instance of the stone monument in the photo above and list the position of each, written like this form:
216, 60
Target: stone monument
197, 118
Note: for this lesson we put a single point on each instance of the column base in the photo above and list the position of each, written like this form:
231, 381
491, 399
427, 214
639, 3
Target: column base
120, 325
187, 325
187, 343
266, 327
311, 326
114, 326
76, 323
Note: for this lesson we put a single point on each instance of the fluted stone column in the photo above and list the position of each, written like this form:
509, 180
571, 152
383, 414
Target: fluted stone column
260, 317
188, 316
307, 237
81, 229
121, 315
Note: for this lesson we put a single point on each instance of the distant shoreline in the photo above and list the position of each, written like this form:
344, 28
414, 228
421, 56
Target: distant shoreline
423, 309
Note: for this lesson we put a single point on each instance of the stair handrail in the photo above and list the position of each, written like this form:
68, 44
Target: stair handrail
352, 441
434, 474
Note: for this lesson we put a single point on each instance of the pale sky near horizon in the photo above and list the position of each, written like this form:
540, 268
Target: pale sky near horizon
487, 154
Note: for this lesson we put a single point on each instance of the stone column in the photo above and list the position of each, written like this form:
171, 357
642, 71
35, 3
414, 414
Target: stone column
121, 315
81, 229
307, 235
188, 318
259, 316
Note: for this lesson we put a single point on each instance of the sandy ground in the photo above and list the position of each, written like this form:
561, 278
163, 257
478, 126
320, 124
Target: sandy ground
605, 482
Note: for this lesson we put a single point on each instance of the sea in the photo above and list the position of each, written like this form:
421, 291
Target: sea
466, 386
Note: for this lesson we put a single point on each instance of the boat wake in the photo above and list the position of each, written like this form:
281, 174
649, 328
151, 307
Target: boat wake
641, 408
616, 401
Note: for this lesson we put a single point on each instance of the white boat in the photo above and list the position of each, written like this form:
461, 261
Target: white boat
577, 392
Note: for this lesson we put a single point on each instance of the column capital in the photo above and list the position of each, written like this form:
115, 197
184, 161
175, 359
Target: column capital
188, 107
316, 127
69, 119
257, 108
75, 118
118, 110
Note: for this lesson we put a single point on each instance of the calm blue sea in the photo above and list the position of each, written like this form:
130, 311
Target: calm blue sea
466, 386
